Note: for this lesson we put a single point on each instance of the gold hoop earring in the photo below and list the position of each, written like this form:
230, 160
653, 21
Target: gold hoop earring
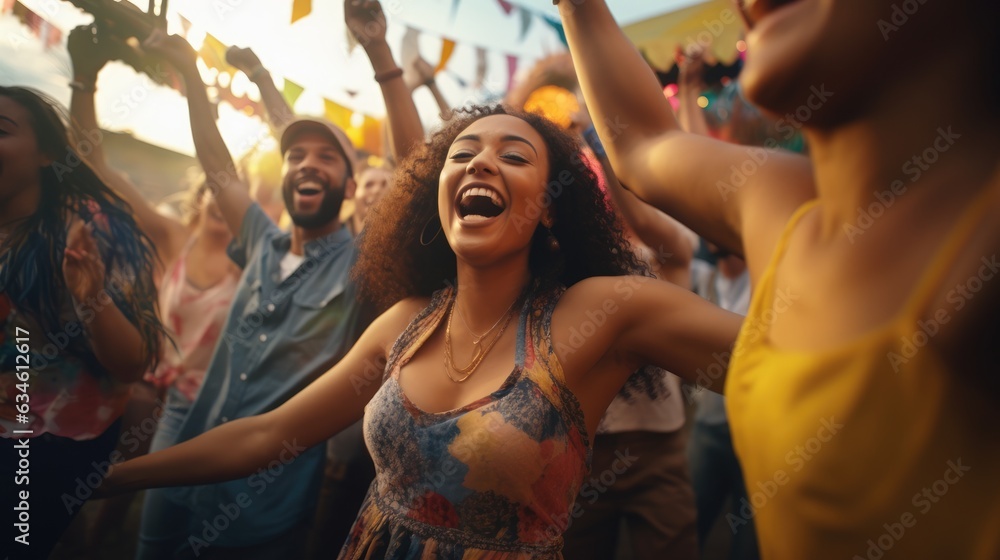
552, 242
423, 232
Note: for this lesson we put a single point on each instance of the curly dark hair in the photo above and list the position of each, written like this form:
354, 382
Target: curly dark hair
393, 262
31, 256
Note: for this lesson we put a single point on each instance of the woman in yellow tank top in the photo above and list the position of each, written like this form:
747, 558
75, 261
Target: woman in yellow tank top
861, 386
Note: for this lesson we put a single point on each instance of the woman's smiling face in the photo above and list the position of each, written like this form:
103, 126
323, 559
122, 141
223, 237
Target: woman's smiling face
495, 172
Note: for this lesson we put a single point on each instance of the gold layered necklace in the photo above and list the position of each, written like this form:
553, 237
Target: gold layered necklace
479, 349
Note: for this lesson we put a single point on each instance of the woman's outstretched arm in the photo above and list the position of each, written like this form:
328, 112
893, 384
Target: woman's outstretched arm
366, 20
238, 448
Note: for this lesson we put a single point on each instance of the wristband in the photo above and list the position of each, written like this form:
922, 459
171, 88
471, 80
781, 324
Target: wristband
257, 72
383, 77
85, 87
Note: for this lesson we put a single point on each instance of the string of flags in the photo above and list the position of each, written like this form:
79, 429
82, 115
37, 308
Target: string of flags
526, 17
39, 27
363, 130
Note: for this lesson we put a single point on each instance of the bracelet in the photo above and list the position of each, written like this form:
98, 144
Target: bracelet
257, 72
383, 77
85, 87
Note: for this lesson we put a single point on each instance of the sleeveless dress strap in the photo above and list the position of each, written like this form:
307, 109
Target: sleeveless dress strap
419, 330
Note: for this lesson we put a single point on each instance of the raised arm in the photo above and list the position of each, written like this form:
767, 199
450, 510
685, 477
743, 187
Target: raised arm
366, 21
279, 113
89, 53
672, 243
690, 84
419, 72
238, 448
687, 176
231, 194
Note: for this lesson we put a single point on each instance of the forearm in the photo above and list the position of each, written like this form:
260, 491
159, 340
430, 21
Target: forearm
690, 114
233, 450
159, 228
279, 113
117, 343
230, 193
668, 239
401, 112
84, 116
624, 97
445, 109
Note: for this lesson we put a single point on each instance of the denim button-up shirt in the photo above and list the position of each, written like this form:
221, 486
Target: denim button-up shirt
280, 335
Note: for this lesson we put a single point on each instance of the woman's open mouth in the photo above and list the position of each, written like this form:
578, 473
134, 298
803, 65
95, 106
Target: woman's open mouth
479, 203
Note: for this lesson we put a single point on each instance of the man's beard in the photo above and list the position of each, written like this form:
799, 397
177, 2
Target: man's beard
329, 208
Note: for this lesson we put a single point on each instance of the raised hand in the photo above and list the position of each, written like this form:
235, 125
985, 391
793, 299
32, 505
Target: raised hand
83, 268
245, 60
366, 20
174, 48
89, 50
691, 66
417, 73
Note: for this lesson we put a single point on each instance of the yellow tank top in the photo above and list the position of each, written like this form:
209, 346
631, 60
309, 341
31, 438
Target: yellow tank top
868, 450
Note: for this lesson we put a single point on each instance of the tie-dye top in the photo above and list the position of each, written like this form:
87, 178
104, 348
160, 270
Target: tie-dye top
494, 479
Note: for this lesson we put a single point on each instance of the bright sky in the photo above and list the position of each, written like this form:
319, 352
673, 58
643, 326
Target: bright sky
312, 52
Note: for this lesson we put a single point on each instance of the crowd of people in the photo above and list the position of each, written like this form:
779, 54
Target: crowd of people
495, 356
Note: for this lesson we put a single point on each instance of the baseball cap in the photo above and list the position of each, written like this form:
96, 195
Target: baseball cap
334, 133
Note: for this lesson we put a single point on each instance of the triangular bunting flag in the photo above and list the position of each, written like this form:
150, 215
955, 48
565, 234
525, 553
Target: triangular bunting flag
185, 26
410, 49
447, 49
213, 52
506, 6
481, 67
557, 26
526, 19
291, 92
8, 5
454, 9
300, 9
337, 114
511, 70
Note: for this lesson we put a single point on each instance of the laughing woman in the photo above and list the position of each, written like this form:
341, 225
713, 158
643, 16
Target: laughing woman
502, 261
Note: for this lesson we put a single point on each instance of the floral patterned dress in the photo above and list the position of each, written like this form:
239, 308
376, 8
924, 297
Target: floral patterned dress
495, 479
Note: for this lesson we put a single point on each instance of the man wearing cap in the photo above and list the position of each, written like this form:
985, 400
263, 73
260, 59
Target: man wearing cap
293, 316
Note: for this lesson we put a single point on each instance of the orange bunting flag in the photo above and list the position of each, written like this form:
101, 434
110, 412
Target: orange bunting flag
447, 49
300, 9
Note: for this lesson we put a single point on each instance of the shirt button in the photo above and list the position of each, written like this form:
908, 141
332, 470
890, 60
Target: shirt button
225, 419
270, 307
263, 338
243, 377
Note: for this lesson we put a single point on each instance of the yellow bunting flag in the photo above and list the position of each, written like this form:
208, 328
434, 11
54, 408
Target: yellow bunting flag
300, 9
291, 92
447, 49
213, 52
337, 114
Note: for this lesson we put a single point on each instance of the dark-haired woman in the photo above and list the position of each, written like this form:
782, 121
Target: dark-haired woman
77, 320
514, 323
